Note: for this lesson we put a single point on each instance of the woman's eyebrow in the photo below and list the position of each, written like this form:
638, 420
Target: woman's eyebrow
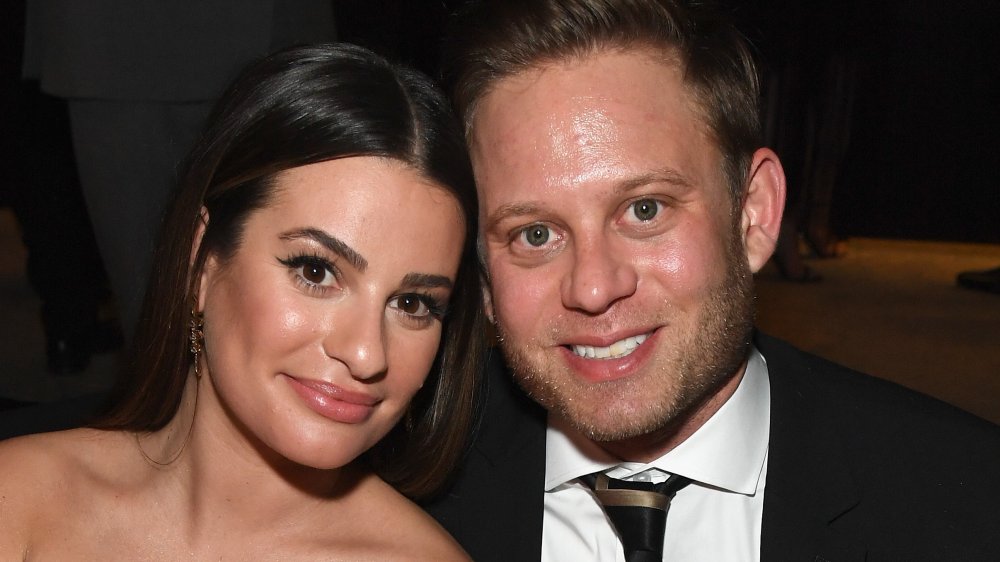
426, 280
331, 243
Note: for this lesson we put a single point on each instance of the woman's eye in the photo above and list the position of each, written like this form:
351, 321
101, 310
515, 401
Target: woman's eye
535, 235
312, 271
645, 209
411, 304
316, 274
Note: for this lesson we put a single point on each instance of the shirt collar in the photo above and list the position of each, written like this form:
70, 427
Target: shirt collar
727, 452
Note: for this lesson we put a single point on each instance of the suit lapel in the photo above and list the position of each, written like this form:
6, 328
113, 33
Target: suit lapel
513, 446
495, 507
810, 486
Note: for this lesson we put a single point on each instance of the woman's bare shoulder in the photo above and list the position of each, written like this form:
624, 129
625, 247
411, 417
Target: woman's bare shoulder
75, 448
418, 536
29, 484
40, 475
403, 530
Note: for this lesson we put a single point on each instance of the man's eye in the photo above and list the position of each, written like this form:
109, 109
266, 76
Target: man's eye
645, 209
536, 235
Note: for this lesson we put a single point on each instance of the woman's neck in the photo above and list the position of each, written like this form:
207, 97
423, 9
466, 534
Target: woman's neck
212, 465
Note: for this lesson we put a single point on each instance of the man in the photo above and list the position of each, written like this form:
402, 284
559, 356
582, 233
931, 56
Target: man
625, 204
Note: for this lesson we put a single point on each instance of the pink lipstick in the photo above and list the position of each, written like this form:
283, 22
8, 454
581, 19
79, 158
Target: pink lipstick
333, 402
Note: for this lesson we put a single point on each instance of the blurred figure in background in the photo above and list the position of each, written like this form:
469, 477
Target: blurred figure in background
988, 280
41, 186
808, 81
140, 77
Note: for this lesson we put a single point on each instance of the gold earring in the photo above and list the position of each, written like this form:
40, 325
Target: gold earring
197, 338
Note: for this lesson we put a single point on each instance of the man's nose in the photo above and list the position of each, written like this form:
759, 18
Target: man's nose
600, 276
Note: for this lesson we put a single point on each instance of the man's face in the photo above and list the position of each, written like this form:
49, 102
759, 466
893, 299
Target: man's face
620, 284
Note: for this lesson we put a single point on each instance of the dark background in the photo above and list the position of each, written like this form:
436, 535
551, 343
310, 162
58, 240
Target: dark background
922, 162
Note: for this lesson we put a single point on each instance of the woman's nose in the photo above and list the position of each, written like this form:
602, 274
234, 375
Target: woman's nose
357, 339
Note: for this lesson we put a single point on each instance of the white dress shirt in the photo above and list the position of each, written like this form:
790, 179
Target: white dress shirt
716, 518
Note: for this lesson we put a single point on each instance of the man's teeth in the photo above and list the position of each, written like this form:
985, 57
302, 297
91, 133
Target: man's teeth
620, 348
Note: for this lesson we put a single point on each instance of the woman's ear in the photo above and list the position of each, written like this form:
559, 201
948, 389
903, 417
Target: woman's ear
199, 236
763, 205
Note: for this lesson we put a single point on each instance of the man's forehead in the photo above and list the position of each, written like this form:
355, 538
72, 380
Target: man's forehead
597, 124
585, 100
575, 61
585, 84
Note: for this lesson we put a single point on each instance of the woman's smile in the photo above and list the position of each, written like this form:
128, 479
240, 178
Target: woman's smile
333, 402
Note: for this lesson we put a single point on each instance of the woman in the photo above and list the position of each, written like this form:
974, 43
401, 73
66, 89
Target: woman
320, 249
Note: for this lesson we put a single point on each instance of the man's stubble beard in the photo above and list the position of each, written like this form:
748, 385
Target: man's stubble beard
657, 400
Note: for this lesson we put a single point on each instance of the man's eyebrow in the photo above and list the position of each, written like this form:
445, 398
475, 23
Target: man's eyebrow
426, 280
504, 212
523, 208
663, 175
331, 243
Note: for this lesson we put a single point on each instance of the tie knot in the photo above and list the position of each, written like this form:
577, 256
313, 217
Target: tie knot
637, 510
618, 491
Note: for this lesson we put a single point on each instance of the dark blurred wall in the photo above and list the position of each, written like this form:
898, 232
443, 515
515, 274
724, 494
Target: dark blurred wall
409, 31
922, 158
923, 161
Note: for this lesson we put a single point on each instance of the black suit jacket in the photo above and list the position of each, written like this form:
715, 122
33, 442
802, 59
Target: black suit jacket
858, 469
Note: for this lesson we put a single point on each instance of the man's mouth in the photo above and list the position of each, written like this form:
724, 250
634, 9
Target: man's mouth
619, 349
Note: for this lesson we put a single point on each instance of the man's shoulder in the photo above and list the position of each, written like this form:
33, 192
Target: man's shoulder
809, 384
510, 426
501, 475
856, 460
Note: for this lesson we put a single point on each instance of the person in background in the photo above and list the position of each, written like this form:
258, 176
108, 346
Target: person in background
626, 200
310, 342
980, 280
139, 78
41, 187
808, 80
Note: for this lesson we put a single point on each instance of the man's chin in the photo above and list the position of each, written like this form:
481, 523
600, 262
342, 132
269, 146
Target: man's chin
602, 412
605, 422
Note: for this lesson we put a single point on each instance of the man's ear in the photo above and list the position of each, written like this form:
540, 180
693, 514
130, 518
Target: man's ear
199, 235
488, 302
492, 330
763, 203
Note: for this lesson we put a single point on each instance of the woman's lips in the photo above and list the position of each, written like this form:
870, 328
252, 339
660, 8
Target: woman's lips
333, 402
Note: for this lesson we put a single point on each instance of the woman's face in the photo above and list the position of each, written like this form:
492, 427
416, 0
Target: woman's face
325, 322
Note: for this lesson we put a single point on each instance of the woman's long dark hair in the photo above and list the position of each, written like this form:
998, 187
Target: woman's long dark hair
301, 106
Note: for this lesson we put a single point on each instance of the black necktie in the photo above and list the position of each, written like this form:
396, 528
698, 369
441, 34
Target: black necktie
638, 510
